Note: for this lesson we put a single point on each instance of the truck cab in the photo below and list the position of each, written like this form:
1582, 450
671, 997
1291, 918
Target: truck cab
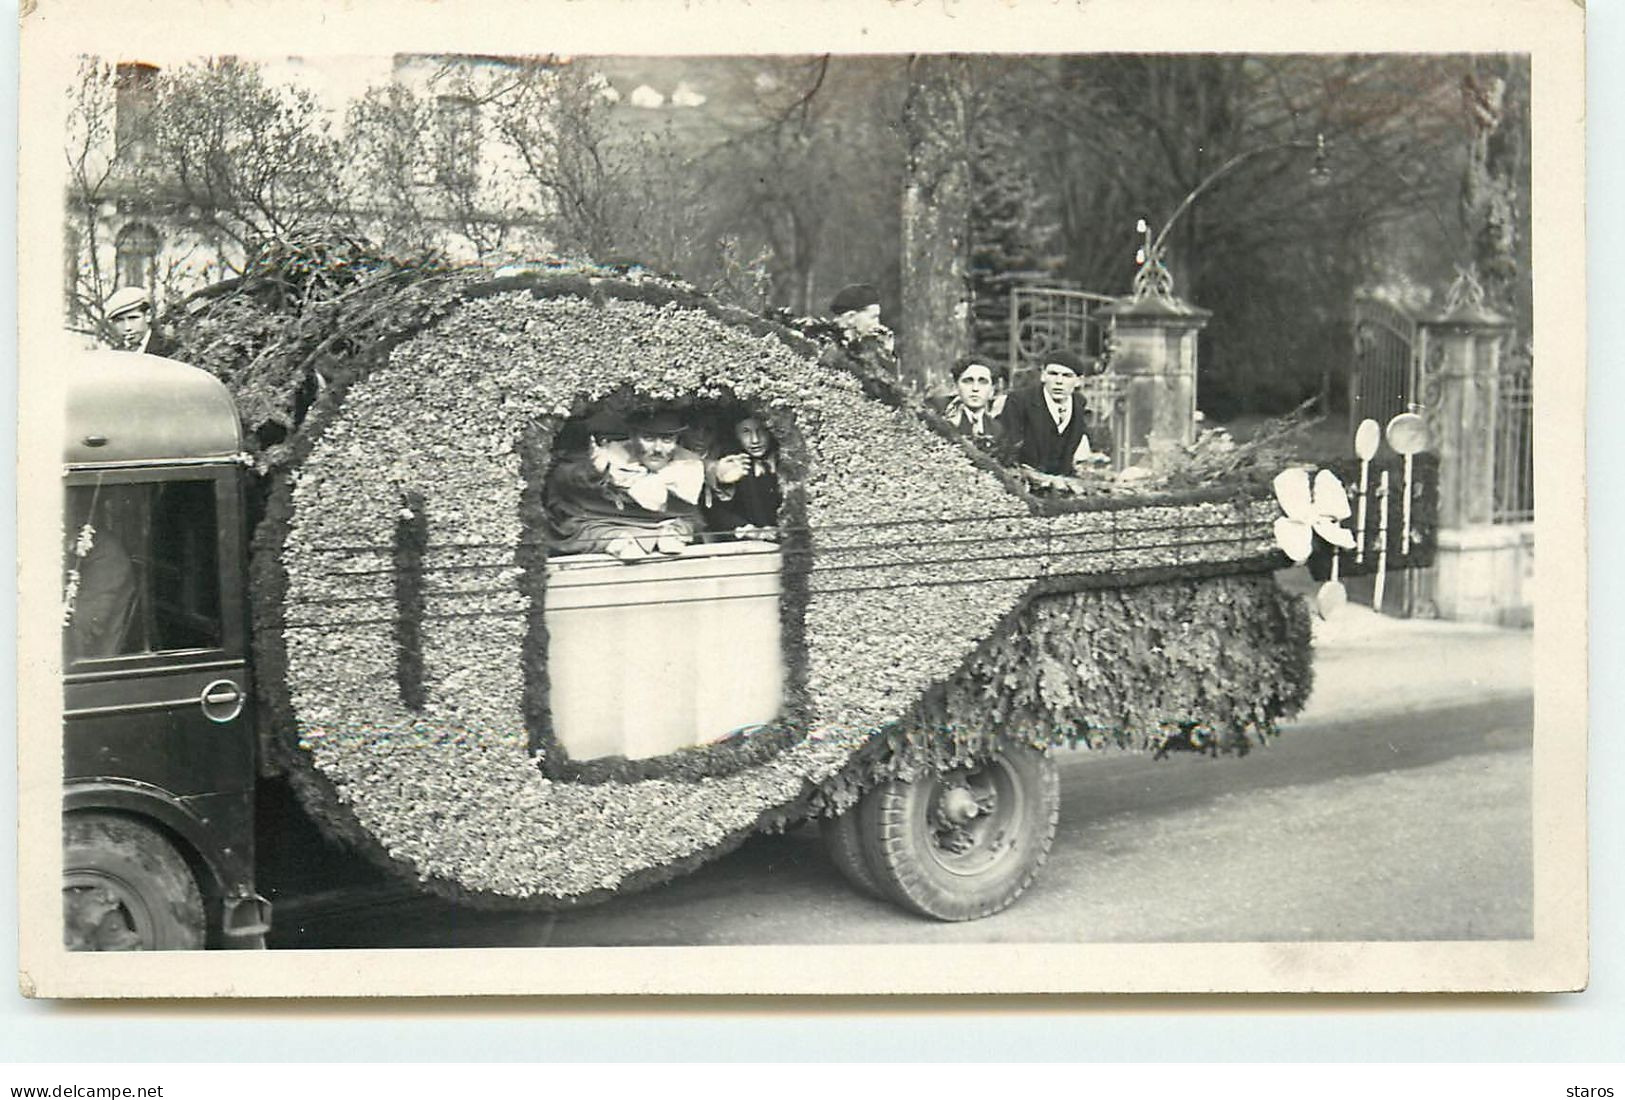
159, 748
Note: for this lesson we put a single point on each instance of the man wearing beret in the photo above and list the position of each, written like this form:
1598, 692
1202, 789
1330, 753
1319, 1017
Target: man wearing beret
129, 318
1045, 425
864, 339
857, 310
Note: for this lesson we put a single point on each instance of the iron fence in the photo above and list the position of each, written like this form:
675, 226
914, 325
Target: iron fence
1514, 500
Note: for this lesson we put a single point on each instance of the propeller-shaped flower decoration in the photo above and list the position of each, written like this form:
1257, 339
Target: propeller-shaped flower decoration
1311, 509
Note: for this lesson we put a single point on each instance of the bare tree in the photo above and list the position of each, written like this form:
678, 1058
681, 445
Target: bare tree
552, 118
246, 160
428, 164
810, 170
387, 128
95, 153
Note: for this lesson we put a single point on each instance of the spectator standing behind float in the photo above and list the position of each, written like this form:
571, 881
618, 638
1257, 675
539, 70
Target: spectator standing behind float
129, 320
1045, 426
970, 409
630, 499
856, 310
746, 494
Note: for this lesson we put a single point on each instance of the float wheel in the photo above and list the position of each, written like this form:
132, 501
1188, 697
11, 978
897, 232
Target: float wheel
843, 840
126, 888
966, 843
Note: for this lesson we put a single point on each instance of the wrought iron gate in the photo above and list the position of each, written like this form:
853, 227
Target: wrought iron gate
1044, 318
1389, 347
1384, 381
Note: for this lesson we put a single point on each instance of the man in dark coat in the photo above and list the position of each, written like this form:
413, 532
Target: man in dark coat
631, 498
1045, 426
864, 339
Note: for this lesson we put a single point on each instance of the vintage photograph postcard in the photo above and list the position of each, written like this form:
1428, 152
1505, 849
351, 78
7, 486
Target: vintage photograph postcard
851, 498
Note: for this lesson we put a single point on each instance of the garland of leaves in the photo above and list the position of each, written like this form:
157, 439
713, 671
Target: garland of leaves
1186, 665
466, 793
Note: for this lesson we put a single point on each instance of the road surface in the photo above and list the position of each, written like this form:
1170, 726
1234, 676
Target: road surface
1405, 826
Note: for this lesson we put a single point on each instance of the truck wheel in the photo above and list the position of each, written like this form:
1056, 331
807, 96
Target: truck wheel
843, 840
126, 888
966, 843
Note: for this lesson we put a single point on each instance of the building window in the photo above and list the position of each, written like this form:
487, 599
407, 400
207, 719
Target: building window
135, 85
457, 120
137, 246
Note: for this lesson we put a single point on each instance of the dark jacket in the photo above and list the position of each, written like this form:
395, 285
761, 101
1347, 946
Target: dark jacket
993, 432
752, 501
1031, 435
159, 344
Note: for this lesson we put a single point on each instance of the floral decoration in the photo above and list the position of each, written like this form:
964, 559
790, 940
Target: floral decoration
921, 581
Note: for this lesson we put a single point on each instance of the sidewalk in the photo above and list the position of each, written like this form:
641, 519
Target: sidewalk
1366, 663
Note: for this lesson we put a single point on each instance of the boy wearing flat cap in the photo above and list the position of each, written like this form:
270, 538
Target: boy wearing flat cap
1045, 425
129, 318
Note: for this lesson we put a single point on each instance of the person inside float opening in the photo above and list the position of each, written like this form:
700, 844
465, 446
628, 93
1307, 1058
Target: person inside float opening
1046, 426
971, 409
746, 497
631, 498
129, 318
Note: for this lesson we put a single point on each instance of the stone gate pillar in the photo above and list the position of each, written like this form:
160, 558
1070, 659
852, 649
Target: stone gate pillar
1459, 389
1155, 339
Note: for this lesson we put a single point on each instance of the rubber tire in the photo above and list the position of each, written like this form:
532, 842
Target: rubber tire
893, 819
159, 901
843, 840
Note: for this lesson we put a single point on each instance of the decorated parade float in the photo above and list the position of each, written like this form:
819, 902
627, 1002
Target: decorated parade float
899, 660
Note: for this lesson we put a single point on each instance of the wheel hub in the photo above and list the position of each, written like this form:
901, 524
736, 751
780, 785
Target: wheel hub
959, 805
98, 918
964, 814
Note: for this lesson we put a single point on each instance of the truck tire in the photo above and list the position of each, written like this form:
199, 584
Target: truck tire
126, 888
963, 844
843, 840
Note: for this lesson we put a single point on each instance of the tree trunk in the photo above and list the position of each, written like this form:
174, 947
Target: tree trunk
935, 328
1495, 194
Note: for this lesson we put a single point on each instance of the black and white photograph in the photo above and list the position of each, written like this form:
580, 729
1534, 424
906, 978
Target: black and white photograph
951, 513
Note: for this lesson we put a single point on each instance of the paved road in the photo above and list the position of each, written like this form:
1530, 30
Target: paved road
1407, 825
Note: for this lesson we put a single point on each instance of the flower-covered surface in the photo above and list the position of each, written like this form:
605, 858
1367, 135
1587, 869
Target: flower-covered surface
906, 556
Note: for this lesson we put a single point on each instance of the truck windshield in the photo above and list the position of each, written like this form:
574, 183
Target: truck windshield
141, 572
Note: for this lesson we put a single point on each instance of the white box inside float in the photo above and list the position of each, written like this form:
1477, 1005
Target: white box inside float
656, 655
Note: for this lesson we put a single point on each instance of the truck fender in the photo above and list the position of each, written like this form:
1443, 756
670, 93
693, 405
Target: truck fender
160, 807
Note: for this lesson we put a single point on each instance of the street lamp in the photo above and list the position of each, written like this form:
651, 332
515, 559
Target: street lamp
1153, 276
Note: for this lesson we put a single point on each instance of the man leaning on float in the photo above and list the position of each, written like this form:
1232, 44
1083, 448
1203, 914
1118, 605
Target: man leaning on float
1043, 429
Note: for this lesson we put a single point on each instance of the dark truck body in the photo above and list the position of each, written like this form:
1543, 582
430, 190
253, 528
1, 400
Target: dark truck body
158, 723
